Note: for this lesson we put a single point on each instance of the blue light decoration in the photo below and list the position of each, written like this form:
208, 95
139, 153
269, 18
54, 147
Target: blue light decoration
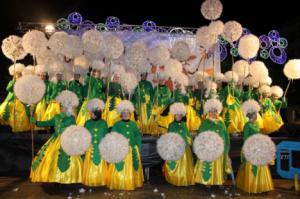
223, 52
279, 59
87, 25
149, 26
75, 18
274, 35
112, 23
246, 31
101, 27
62, 24
264, 42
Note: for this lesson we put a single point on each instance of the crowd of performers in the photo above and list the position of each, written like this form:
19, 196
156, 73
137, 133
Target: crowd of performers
210, 104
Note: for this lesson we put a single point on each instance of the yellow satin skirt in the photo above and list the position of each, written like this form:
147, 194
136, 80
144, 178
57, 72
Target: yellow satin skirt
94, 175
183, 173
217, 173
83, 115
48, 171
193, 121
2, 111
111, 117
159, 124
52, 110
272, 122
144, 120
128, 178
260, 121
237, 120
39, 113
18, 119
262, 182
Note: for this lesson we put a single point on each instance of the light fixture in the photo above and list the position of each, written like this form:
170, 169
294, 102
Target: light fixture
49, 28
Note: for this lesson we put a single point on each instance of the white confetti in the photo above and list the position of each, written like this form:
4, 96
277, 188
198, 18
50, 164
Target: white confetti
155, 190
81, 190
212, 195
16, 189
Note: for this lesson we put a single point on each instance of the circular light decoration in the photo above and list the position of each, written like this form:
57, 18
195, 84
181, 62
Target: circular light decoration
274, 35
246, 31
149, 26
62, 24
211, 9
282, 42
87, 25
223, 52
278, 59
137, 29
264, 54
223, 41
234, 52
75, 18
112, 22
264, 41
101, 27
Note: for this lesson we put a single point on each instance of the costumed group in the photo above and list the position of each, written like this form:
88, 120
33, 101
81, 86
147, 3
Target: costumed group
221, 104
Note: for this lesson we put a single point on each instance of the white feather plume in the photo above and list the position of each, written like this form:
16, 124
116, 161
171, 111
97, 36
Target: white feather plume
232, 31
248, 46
170, 146
34, 41
12, 48
159, 55
112, 47
92, 41
181, 51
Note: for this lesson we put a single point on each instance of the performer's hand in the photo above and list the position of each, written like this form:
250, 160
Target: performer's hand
32, 120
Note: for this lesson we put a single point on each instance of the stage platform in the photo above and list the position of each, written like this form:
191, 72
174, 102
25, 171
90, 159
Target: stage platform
15, 151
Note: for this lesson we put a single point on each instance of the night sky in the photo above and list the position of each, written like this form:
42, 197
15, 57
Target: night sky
260, 16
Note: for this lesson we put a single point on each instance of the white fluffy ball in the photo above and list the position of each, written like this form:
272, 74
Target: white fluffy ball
59, 42
208, 146
241, 67
136, 55
259, 149
250, 106
258, 70
171, 146
248, 46
92, 41
112, 47
181, 51
211, 9
34, 42
205, 38
114, 147
75, 140
232, 31
172, 67
29, 89
178, 108
129, 82
67, 99
159, 55
12, 48
277, 91
292, 69
216, 27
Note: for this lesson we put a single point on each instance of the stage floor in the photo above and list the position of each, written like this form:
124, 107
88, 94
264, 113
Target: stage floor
22, 188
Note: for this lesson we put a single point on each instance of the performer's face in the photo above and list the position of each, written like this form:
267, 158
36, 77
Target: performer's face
161, 82
43, 76
97, 74
59, 77
144, 76
76, 76
252, 117
125, 115
63, 109
178, 117
213, 114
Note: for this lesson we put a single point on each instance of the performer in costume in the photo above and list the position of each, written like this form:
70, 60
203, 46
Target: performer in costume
142, 99
51, 163
276, 94
15, 71
56, 85
41, 107
180, 172
93, 88
271, 118
250, 92
213, 173
128, 174
115, 96
95, 169
161, 100
252, 178
230, 96
76, 87
16, 114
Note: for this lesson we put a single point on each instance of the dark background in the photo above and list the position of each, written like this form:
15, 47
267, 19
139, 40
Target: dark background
260, 16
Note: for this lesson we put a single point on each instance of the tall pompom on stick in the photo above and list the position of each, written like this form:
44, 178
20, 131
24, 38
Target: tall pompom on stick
92, 41
181, 51
232, 31
292, 71
34, 42
248, 46
30, 89
211, 9
12, 48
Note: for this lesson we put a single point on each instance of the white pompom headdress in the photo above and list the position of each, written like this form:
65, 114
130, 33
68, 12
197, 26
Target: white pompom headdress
125, 105
250, 106
95, 104
212, 104
178, 109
